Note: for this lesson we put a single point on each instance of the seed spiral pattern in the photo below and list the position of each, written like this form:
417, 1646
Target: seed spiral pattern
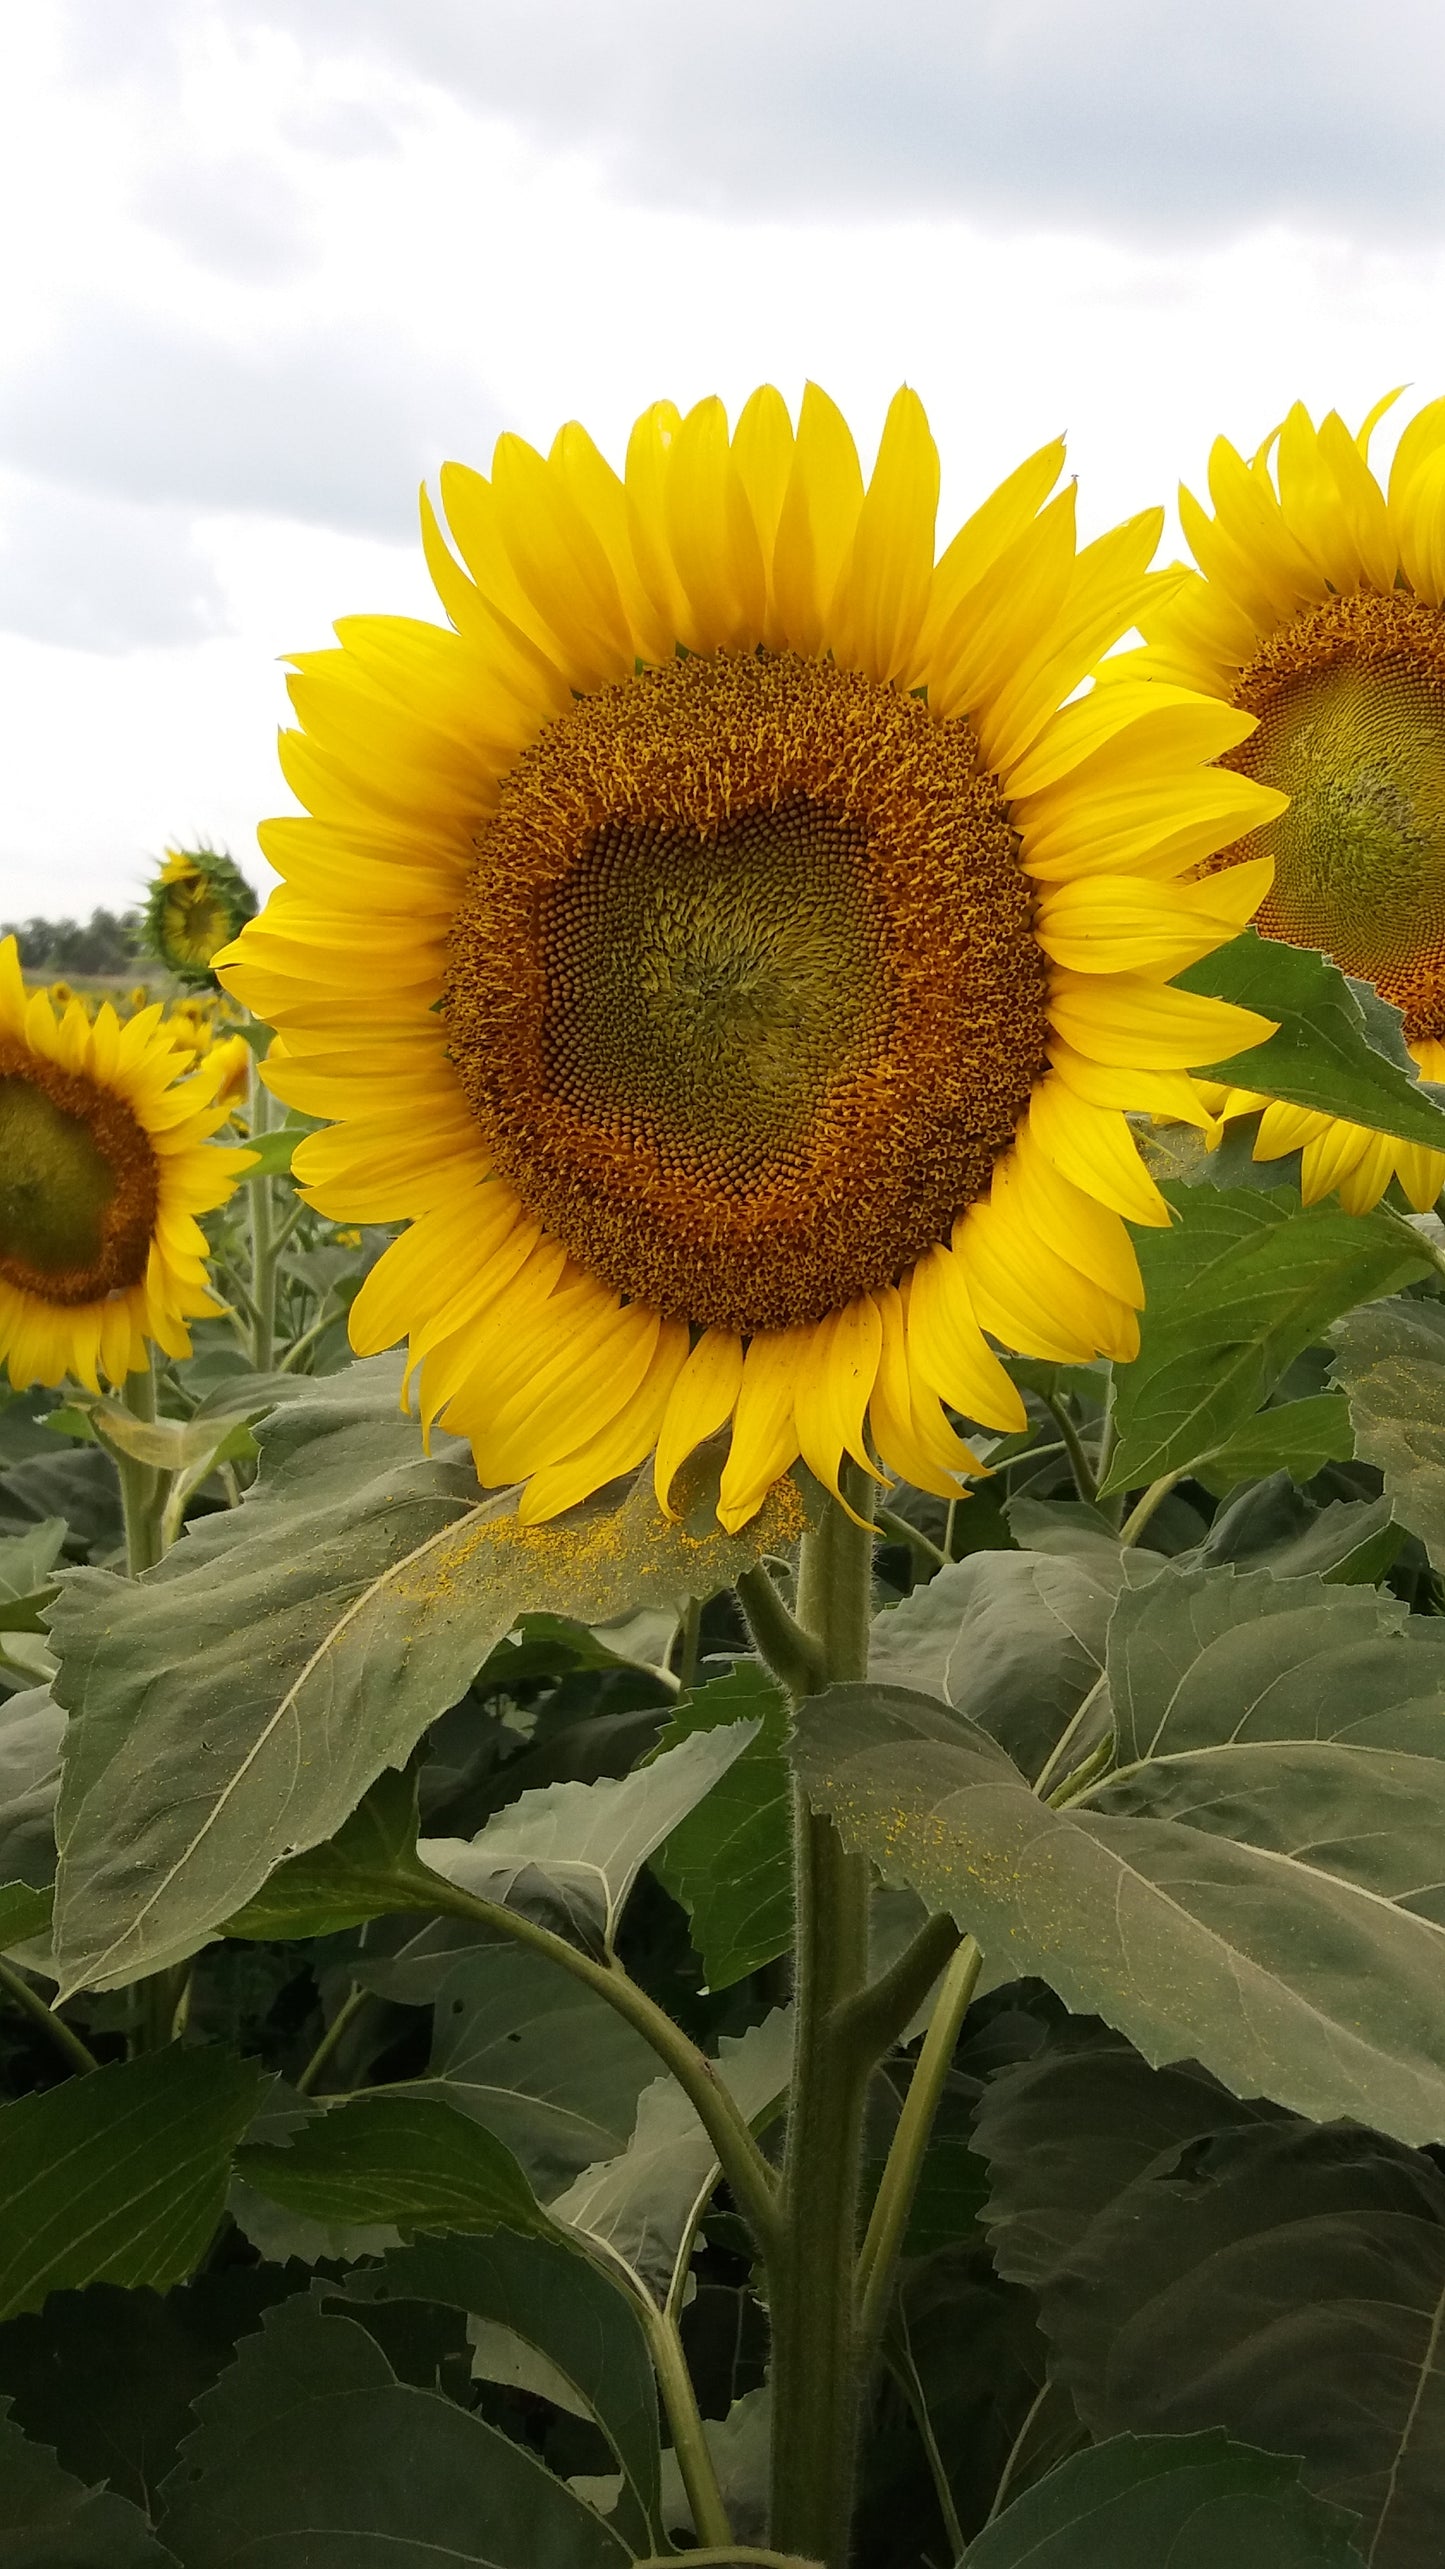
78, 1183
744, 992
1350, 697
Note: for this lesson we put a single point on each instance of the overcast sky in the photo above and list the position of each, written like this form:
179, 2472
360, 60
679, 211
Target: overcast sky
267, 263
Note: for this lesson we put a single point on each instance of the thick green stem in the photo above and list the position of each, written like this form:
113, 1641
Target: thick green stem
816, 2375
899, 2181
789, 1651
76, 2054
143, 1490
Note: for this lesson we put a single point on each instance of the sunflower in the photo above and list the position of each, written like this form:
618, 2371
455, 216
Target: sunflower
197, 902
1318, 611
733, 956
104, 1166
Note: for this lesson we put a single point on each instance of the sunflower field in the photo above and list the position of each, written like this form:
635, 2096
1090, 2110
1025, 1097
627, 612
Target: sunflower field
722, 1517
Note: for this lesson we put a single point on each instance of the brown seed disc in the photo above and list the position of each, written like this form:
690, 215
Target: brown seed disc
78, 1183
744, 991
1351, 704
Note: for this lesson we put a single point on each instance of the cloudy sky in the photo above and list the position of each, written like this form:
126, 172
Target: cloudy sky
267, 263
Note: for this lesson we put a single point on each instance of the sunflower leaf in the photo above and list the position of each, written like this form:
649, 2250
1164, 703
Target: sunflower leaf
1339, 1048
411, 2162
119, 2176
1195, 2500
1237, 1288
1256, 1886
1391, 1363
341, 1608
1170, 2310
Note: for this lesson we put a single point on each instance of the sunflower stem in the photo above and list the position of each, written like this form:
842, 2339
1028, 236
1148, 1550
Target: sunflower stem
899, 2183
76, 2054
143, 1490
816, 2375
1085, 1479
689, 2436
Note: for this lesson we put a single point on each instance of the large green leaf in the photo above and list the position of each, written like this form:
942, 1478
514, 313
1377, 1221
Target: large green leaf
569, 1854
32, 1727
326, 1621
1234, 1291
1288, 2284
1265, 1907
1065, 2133
1339, 1047
51, 2520
1296, 1436
1391, 1362
1013, 1639
412, 2162
644, 2205
544, 2063
730, 1863
312, 2455
1193, 2501
542, 2293
119, 2176
109, 2375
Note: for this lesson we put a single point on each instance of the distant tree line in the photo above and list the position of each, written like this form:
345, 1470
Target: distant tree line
106, 944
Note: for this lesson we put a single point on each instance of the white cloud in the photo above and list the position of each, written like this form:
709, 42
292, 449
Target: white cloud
1116, 115
322, 424
102, 575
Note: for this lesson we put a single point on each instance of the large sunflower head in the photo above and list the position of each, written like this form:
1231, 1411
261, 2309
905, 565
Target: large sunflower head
1319, 609
734, 954
104, 1165
197, 902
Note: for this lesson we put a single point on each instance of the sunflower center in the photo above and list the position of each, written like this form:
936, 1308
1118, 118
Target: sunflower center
744, 992
77, 1184
1351, 706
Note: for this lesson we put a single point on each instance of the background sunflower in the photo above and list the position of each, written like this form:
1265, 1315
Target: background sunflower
1317, 609
104, 1166
734, 955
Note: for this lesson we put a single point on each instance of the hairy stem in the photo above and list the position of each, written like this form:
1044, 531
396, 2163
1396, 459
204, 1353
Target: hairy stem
76, 2054
816, 2376
791, 1653
143, 1490
899, 2182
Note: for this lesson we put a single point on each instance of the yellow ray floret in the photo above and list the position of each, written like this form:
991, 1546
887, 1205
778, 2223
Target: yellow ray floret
104, 1166
1316, 618
734, 947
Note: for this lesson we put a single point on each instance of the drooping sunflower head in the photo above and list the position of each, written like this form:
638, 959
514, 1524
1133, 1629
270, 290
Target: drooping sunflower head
198, 901
734, 955
104, 1165
1319, 608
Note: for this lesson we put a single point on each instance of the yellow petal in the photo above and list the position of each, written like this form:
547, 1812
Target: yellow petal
702, 1400
1093, 1147
764, 1440
947, 1349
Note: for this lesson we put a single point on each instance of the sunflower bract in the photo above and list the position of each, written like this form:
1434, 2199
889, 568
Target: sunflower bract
1318, 609
733, 954
104, 1166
